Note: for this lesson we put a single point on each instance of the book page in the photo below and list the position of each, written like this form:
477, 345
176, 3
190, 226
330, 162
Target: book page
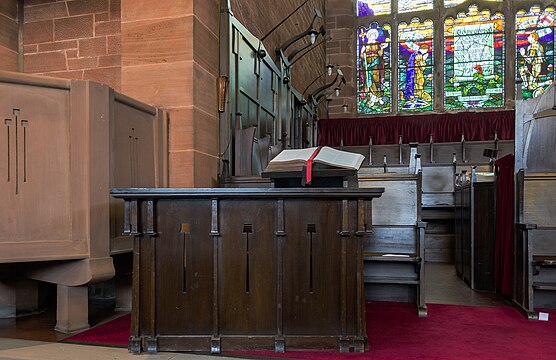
343, 159
293, 155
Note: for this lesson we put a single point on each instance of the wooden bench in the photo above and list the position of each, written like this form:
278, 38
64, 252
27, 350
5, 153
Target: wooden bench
535, 243
394, 250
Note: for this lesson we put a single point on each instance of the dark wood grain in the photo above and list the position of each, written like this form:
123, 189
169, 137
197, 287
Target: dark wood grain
248, 268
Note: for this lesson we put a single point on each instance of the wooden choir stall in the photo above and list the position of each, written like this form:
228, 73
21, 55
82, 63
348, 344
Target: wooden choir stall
535, 240
231, 268
65, 144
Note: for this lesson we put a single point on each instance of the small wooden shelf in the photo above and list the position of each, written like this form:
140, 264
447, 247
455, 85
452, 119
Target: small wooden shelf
544, 286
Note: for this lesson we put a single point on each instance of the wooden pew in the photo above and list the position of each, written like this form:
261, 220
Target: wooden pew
535, 242
394, 251
69, 142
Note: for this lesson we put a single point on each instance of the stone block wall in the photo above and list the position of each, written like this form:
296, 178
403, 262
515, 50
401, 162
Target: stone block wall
74, 39
9, 30
164, 53
341, 50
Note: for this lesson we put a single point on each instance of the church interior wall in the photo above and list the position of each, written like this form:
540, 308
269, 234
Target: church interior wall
9, 31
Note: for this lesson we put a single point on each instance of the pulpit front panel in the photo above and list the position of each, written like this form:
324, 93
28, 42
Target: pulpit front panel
184, 267
248, 270
312, 255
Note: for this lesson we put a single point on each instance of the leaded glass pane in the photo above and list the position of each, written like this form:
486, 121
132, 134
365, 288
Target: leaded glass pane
451, 3
474, 60
374, 69
535, 50
414, 5
373, 7
415, 66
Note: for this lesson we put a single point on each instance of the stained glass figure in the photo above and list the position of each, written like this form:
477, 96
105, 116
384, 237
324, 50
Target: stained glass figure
535, 50
414, 5
373, 7
415, 66
474, 60
374, 69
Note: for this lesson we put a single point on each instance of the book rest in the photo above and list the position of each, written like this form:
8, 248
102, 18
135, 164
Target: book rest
321, 178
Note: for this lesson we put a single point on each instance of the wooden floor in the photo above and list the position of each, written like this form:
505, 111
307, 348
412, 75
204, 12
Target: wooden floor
442, 287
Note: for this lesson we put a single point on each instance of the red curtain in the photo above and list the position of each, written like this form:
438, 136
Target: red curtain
503, 256
476, 126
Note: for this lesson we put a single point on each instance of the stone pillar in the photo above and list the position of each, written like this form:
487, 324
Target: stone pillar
170, 60
72, 309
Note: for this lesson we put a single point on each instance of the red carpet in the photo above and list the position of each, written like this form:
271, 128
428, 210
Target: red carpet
395, 332
112, 333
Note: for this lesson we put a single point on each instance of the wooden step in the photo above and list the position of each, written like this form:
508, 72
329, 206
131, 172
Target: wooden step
391, 257
390, 280
437, 214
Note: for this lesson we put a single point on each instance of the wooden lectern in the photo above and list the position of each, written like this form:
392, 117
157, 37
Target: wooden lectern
224, 269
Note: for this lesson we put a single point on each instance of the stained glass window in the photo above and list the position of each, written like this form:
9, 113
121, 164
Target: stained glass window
474, 60
373, 7
374, 69
415, 66
535, 50
414, 5
450, 3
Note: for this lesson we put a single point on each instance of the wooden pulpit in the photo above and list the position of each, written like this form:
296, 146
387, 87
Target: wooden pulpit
224, 269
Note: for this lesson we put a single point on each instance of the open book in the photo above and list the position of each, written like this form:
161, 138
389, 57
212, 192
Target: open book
295, 159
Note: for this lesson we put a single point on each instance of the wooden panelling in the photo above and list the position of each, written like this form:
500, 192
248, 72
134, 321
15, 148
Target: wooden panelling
283, 273
35, 164
539, 208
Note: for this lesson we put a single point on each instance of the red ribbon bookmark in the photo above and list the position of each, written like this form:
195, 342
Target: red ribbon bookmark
309, 171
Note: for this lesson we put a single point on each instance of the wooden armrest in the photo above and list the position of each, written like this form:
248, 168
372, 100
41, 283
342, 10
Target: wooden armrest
522, 226
543, 285
547, 260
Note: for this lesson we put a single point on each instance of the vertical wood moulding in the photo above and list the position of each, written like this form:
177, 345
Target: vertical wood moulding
135, 340
279, 345
360, 331
344, 236
216, 271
